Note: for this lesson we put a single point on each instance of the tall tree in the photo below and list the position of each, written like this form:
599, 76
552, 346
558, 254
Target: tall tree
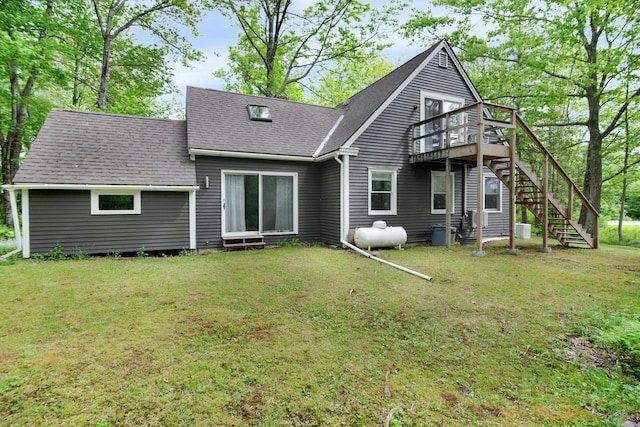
160, 17
27, 54
279, 46
589, 48
343, 78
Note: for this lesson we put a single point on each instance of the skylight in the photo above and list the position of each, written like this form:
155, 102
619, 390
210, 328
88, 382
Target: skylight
259, 112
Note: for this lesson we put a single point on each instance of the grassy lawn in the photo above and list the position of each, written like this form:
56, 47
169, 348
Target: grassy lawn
318, 336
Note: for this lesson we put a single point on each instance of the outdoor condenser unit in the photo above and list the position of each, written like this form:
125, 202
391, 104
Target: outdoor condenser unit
473, 218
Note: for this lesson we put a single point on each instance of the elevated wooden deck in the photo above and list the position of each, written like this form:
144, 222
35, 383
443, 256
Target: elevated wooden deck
484, 134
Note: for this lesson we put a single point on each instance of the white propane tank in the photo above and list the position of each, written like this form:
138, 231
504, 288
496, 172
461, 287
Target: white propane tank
380, 236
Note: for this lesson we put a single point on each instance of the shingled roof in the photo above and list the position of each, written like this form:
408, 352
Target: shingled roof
75, 147
219, 121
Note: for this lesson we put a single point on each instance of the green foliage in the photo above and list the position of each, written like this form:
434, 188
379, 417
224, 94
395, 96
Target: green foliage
142, 253
281, 43
609, 234
55, 254
289, 243
6, 232
622, 334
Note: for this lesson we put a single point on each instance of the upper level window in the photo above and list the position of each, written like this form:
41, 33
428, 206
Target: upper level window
382, 192
105, 202
259, 112
492, 194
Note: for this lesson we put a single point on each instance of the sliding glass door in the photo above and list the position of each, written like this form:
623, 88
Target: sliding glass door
259, 203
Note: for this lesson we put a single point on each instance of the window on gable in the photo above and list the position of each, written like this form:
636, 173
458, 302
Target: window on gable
439, 192
105, 202
259, 113
443, 60
492, 194
382, 192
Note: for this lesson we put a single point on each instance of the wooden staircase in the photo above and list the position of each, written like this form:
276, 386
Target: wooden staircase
530, 193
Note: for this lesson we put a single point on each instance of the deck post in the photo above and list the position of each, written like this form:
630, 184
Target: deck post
512, 185
545, 205
447, 201
480, 186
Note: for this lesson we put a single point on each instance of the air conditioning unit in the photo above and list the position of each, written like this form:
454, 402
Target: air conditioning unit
473, 217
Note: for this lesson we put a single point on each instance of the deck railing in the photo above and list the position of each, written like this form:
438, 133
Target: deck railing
461, 127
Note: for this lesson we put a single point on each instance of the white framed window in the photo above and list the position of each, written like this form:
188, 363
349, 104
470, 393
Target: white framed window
382, 191
439, 192
492, 194
259, 203
115, 202
433, 104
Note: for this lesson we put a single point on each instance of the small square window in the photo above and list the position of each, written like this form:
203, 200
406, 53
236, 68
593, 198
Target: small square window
259, 113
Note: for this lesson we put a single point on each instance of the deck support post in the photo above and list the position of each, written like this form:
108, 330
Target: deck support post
512, 185
449, 185
545, 205
480, 192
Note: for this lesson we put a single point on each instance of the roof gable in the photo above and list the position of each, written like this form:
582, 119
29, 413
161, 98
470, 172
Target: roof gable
77, 147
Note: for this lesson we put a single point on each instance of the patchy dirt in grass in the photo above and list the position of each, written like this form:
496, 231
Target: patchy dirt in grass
587, 354
250, 405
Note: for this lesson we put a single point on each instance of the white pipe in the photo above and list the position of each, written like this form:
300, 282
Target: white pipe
16, 219
5, 256
337, 159
399, 267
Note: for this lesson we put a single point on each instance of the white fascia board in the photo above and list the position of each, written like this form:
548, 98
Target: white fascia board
462, 72
326, 138
242, 155
257, 156
40, 186
393, 96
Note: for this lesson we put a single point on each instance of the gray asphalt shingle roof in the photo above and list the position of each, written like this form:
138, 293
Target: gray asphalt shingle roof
75, 147
219, 121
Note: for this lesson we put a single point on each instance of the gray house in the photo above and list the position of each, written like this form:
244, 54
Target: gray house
414, 149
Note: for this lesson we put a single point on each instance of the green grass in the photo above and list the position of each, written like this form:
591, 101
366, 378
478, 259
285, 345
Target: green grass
609, 234
316, 336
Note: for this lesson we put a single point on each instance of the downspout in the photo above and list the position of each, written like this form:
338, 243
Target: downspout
16, 224
337, 159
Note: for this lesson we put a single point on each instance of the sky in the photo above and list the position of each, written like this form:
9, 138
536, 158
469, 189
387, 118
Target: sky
217, 33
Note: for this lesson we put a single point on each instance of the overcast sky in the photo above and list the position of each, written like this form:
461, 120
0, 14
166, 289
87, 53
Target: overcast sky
217, 33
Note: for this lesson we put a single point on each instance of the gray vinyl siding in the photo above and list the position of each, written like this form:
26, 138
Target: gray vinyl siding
208, 200
330, 196
64, 218
385, 144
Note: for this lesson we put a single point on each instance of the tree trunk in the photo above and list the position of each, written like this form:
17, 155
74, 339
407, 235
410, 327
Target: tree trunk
104, 75
592, 179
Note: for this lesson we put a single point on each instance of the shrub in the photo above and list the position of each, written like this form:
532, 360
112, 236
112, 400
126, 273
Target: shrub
609, 234
6, 232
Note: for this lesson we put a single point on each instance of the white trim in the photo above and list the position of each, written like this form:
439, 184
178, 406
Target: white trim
348, 151
192, 220
26, 231
256, 156
39, 186
260, 231
453, 57
453, 191
326, 138
394, 191
95, 202
484, 196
